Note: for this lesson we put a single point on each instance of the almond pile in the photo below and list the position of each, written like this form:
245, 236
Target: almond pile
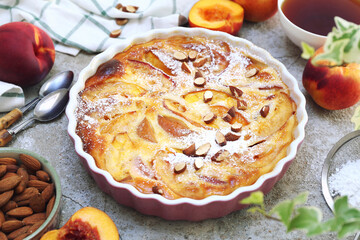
27, 196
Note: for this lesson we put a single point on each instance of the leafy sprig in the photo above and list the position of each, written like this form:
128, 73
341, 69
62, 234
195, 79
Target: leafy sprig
342, 45
295, 216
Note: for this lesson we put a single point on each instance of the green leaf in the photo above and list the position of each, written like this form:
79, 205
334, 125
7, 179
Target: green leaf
342, 44
335, 53
256, 209
308, 219
356, 118
285, 208
308, 51
349, 228
341, 205
256, 198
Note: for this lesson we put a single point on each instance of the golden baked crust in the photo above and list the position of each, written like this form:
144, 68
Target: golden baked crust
142, 110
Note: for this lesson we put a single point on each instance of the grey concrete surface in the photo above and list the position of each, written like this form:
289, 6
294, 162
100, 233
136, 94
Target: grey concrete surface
79, 189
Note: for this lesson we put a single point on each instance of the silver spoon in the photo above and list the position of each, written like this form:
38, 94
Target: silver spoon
61, 80
326, 167
48, 108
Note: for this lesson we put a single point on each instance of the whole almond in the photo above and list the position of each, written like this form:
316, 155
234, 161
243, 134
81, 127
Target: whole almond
23, 203
40, 185
22, 236
43, 176
9, 174
18, 232
10, 205
33, 177
23, 174
5, 197
11, 225
3, 236
2, 170
2, 218
30, 162
26, 194
20, 187
8, 161
37, 203
50, 206
49, 191
20, 212
34, 227
30, 220
9, 183
12, 168
264, 111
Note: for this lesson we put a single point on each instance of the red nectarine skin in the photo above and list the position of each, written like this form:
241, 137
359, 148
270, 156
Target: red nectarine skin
333, 88
258, 10
225, 16
27, 53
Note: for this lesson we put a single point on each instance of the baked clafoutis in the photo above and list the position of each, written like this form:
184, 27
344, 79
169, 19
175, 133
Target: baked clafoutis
186, 117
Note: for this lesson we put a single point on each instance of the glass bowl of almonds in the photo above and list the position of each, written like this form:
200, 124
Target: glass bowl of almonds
30, 194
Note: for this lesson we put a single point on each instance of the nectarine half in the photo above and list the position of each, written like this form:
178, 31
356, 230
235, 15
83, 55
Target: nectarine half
87, 224
224, 15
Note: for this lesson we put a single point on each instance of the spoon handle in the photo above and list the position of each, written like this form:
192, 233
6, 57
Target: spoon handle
15, 114
10, 118
5, 137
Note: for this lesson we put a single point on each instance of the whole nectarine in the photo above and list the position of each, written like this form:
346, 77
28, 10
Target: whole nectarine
224, 15
335, 87
27, 53
87, 224
258, 10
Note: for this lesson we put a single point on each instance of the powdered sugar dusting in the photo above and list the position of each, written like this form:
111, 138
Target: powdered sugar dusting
346, 181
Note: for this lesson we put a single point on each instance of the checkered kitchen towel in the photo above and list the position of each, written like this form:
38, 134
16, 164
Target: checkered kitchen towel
86, 24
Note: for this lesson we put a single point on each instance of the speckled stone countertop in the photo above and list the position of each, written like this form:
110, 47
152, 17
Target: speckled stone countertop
324, 128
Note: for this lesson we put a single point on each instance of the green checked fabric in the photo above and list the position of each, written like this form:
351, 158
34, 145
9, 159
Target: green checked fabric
77, 25
11, 96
